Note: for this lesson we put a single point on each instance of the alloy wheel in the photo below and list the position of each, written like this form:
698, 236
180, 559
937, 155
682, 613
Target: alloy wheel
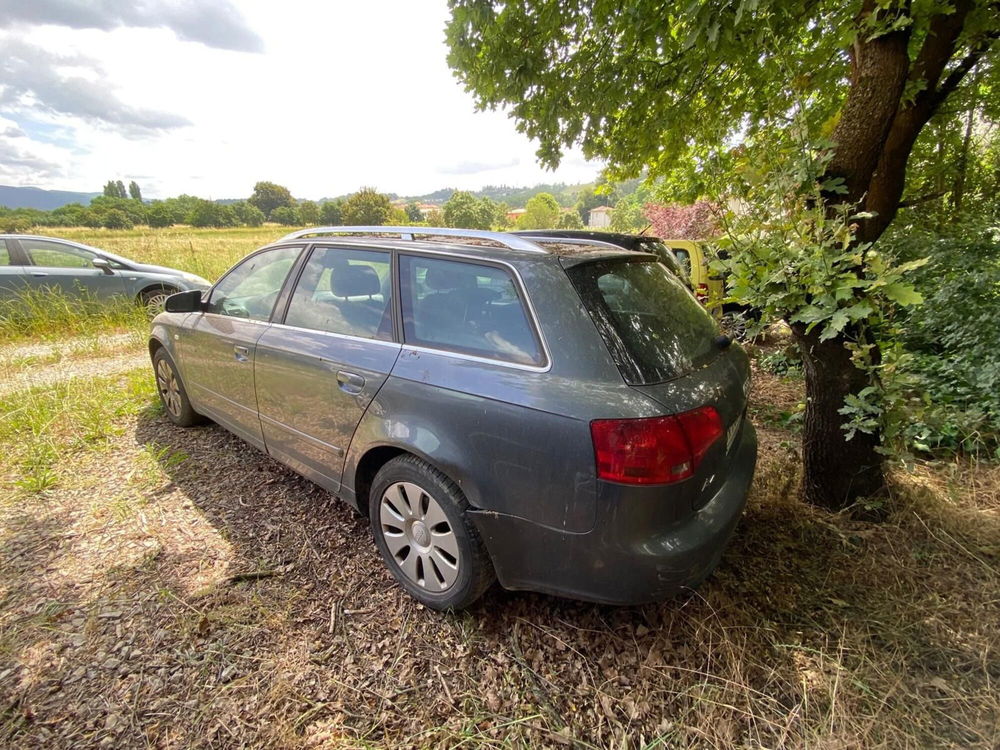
169, 389
419, 536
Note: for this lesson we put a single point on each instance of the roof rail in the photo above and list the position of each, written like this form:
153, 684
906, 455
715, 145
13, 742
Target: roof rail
510, 241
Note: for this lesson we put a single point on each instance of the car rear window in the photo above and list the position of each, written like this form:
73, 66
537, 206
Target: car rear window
653, 326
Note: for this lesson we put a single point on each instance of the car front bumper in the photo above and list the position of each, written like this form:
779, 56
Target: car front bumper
632, 555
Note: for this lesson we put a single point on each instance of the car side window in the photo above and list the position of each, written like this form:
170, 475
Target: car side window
251, 288
57, 255
344, 291
4, 254
684, 258
466, 307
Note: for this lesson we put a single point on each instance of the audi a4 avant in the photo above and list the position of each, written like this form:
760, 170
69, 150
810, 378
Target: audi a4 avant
558, 414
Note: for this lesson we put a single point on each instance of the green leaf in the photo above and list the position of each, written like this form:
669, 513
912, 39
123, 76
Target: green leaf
903, 294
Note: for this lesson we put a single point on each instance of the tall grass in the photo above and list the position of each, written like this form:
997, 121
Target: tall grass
48, 315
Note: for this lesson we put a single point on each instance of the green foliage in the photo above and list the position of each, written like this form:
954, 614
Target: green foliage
134, 192
211, 214
541, 212
570, 220
413, 212
159, 215
367, 207
308, 213
465, 210
115, 189
268, 196
952, 340
286, 215
247, 215
798, 259
331, 213
669, 87
115, 218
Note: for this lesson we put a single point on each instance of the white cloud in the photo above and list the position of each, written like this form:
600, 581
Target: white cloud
344, 95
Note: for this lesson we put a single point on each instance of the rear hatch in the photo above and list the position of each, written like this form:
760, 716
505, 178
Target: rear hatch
669, 348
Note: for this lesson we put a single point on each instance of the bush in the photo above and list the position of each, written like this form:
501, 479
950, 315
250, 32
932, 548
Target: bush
952, 343
117, 219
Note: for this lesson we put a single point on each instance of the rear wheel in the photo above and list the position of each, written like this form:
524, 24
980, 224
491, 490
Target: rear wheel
420, 527
172, 394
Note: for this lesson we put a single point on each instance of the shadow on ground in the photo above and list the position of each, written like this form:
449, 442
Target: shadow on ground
255, 612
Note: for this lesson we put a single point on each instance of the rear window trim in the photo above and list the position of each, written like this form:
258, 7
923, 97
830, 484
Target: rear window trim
532, 318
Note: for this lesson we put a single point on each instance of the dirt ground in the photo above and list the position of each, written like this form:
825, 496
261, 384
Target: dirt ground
179, 589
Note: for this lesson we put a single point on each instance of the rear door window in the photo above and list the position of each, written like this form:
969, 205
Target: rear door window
344, 291
466, 307
653, 326
57, 255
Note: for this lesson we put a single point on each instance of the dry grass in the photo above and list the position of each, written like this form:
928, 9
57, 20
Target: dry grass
176, 588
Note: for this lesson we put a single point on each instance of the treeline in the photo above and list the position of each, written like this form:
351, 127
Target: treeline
122, 206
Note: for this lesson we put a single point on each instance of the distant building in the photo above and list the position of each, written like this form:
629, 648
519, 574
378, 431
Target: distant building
517, 213
600, 217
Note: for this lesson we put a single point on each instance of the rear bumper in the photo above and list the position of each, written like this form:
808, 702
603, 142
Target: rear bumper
631, 556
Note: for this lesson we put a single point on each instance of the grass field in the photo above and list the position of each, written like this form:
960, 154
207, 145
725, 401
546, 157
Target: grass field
169, 587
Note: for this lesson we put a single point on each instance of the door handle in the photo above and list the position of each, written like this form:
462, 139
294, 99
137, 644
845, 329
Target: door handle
242, 353
38, 273
350, 382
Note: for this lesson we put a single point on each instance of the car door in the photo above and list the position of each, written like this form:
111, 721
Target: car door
68, 269
217, 347
12, 276
318, 369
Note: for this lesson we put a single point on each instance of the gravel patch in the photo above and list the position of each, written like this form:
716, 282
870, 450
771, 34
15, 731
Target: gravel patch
36, 376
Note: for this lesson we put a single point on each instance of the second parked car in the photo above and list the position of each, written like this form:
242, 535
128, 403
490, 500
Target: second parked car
77, 270
563, 417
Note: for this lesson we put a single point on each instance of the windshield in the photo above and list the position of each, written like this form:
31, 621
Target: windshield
653, 326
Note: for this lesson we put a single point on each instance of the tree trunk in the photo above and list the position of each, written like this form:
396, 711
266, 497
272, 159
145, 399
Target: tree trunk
836, 471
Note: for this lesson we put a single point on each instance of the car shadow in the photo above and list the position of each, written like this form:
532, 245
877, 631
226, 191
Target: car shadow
794, 582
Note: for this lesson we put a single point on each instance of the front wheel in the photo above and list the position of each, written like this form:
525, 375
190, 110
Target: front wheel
154, 299
422, 532
172, 394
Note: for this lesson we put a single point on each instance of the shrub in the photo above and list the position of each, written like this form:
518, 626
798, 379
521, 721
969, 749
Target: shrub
952, 343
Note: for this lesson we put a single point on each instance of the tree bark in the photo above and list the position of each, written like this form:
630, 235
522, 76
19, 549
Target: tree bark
836, 471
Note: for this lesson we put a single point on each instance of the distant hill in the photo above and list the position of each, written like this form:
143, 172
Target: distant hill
515, 197
44, 200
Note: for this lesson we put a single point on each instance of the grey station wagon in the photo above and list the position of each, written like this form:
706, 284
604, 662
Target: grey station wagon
560, 415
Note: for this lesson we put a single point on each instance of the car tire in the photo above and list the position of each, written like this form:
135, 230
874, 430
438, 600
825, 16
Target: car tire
173, 396
420, 525
154, 299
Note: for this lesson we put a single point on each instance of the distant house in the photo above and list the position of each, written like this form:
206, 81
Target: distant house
517, 213
427, 208
600, 216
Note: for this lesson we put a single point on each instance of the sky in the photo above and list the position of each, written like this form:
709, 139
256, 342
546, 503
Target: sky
207, 97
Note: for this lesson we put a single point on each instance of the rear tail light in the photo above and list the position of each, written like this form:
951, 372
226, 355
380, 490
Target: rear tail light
701, 292
654, 450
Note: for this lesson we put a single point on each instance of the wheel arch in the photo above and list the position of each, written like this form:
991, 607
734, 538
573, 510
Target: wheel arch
156, 286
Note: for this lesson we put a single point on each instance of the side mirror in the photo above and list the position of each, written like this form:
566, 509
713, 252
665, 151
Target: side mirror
184, 302
104, 264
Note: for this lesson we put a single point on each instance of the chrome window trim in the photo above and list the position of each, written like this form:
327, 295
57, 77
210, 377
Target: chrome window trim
532, 315
474, 358
334, 334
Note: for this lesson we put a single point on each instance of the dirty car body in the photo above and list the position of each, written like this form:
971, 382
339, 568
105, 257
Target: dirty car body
593, 441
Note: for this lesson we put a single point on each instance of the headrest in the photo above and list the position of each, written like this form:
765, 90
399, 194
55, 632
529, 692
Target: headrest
442, 277
354, 281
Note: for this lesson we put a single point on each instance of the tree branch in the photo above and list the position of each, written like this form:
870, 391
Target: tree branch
922, 199
955, 77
